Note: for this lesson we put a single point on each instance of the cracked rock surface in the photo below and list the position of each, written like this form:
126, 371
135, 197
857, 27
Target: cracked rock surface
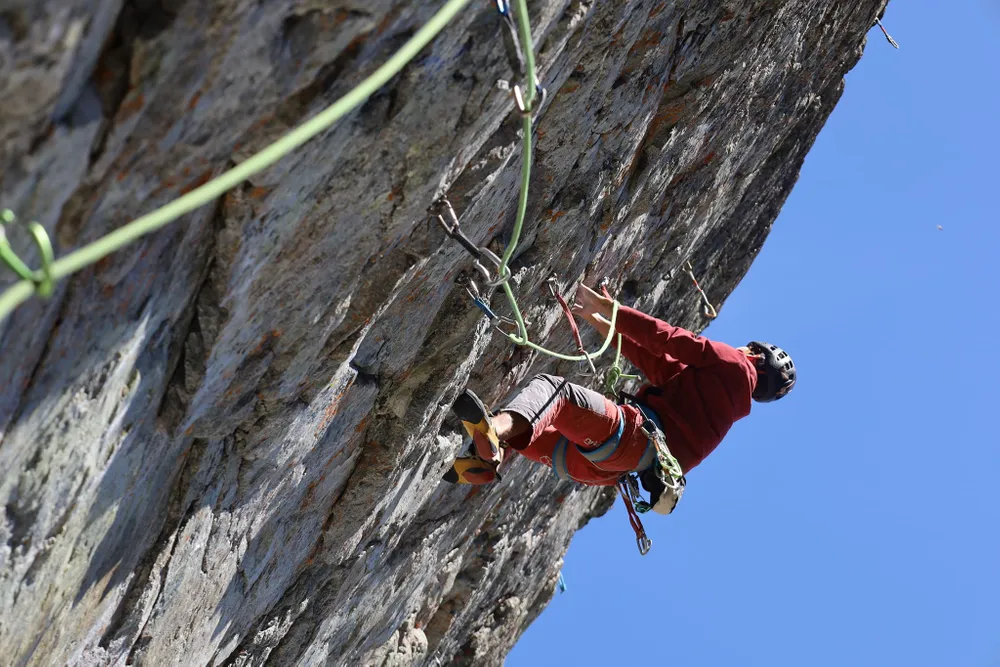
223, 445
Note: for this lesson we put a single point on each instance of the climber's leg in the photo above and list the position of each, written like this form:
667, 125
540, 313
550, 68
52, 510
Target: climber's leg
584, 416
548, 407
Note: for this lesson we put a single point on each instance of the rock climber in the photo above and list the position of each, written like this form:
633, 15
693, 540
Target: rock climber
697, 388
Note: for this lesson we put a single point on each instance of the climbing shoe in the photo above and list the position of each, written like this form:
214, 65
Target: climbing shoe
476, 420
471, 470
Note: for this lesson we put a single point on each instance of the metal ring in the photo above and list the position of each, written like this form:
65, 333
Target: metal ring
538, 101
519, 100
502, 280
491, 255
444, 225
487, 277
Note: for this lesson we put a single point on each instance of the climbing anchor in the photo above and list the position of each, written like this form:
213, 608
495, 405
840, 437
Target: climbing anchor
441, 208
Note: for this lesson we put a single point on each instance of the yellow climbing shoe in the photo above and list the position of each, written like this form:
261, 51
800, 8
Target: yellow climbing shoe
476, 420
471, 470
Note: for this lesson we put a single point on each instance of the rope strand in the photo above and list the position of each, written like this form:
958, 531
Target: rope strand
101, 248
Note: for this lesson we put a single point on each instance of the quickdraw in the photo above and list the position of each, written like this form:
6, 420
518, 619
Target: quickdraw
442, 208
453, 229
708, 309
628, 487
551, 284
515, 56
878, 22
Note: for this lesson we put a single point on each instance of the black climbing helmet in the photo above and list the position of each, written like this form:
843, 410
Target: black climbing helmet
775, 372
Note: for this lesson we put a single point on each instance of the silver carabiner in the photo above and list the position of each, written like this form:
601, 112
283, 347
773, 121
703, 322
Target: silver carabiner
644, 544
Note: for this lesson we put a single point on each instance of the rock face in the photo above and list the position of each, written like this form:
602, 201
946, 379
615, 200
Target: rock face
223, 445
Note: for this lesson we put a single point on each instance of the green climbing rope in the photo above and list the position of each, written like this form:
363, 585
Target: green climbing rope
101, 248
89, 254
616, 372
42, 279
529, 95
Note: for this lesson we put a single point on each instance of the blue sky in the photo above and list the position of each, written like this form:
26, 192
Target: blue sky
857, 521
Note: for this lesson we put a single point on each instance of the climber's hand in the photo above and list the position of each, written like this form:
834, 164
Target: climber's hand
593, 308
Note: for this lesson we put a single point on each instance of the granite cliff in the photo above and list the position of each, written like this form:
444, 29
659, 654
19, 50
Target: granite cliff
224, 444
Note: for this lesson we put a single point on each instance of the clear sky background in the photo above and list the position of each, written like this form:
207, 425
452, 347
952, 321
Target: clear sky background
857, 521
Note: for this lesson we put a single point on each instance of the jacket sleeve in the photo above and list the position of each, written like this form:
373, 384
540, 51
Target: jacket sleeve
666, 343
657, 369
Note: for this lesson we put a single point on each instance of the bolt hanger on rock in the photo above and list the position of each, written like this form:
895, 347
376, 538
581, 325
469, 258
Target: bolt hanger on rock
441, 208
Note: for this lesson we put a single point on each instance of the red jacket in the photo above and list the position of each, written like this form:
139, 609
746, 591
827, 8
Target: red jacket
704, 386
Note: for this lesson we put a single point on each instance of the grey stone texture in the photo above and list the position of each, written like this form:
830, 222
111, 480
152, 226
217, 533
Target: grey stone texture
223, 444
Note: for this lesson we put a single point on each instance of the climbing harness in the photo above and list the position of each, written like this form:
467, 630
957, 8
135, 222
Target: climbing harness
878, 22
42, 279
659, 470
627, 483
666, 471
